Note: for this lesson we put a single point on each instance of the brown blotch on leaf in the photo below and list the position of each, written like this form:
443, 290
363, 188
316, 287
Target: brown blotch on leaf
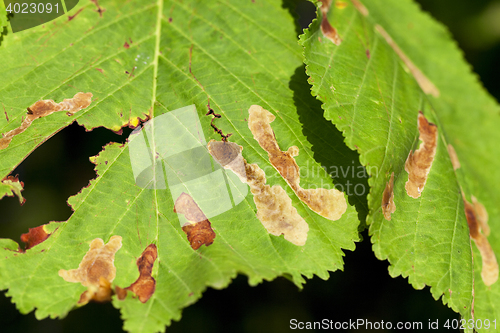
126, 45
388, 205
228, 155
425, 84
489, 273
96, 270
418, 164
330, 204
453, 156
274, 206
120, 293
15, 186
144, 287
326, 28
101, 294
44, 108
198, 230
482, 216
34, 237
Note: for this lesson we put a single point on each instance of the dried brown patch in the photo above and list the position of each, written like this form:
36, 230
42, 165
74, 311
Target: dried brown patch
326, 28
44, 108
199, 233
388, 205
144, 287
489, 272
120, 293
96, 270
15, 187
453, 156
198, 230
274, 207
330, 204
418, 164
34, 237
340, 4
482, 216
425, 84
360, 7
101, 294
228, 155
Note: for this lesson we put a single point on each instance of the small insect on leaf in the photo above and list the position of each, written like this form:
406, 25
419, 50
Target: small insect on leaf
330, 204
198, 230
96, 270
418, 164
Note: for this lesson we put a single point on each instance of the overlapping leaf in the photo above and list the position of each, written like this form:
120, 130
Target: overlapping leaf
3, 16
373, 97
147, 58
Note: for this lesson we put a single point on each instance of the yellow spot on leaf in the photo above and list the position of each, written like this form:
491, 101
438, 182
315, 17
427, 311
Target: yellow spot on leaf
134, 121
340, 4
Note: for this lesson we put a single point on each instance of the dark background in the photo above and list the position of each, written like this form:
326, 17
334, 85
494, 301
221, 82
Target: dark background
60, 168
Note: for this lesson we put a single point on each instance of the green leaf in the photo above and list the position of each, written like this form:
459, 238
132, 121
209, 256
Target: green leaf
142, 59
3, 15
11, 186
3, 21
372, 96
